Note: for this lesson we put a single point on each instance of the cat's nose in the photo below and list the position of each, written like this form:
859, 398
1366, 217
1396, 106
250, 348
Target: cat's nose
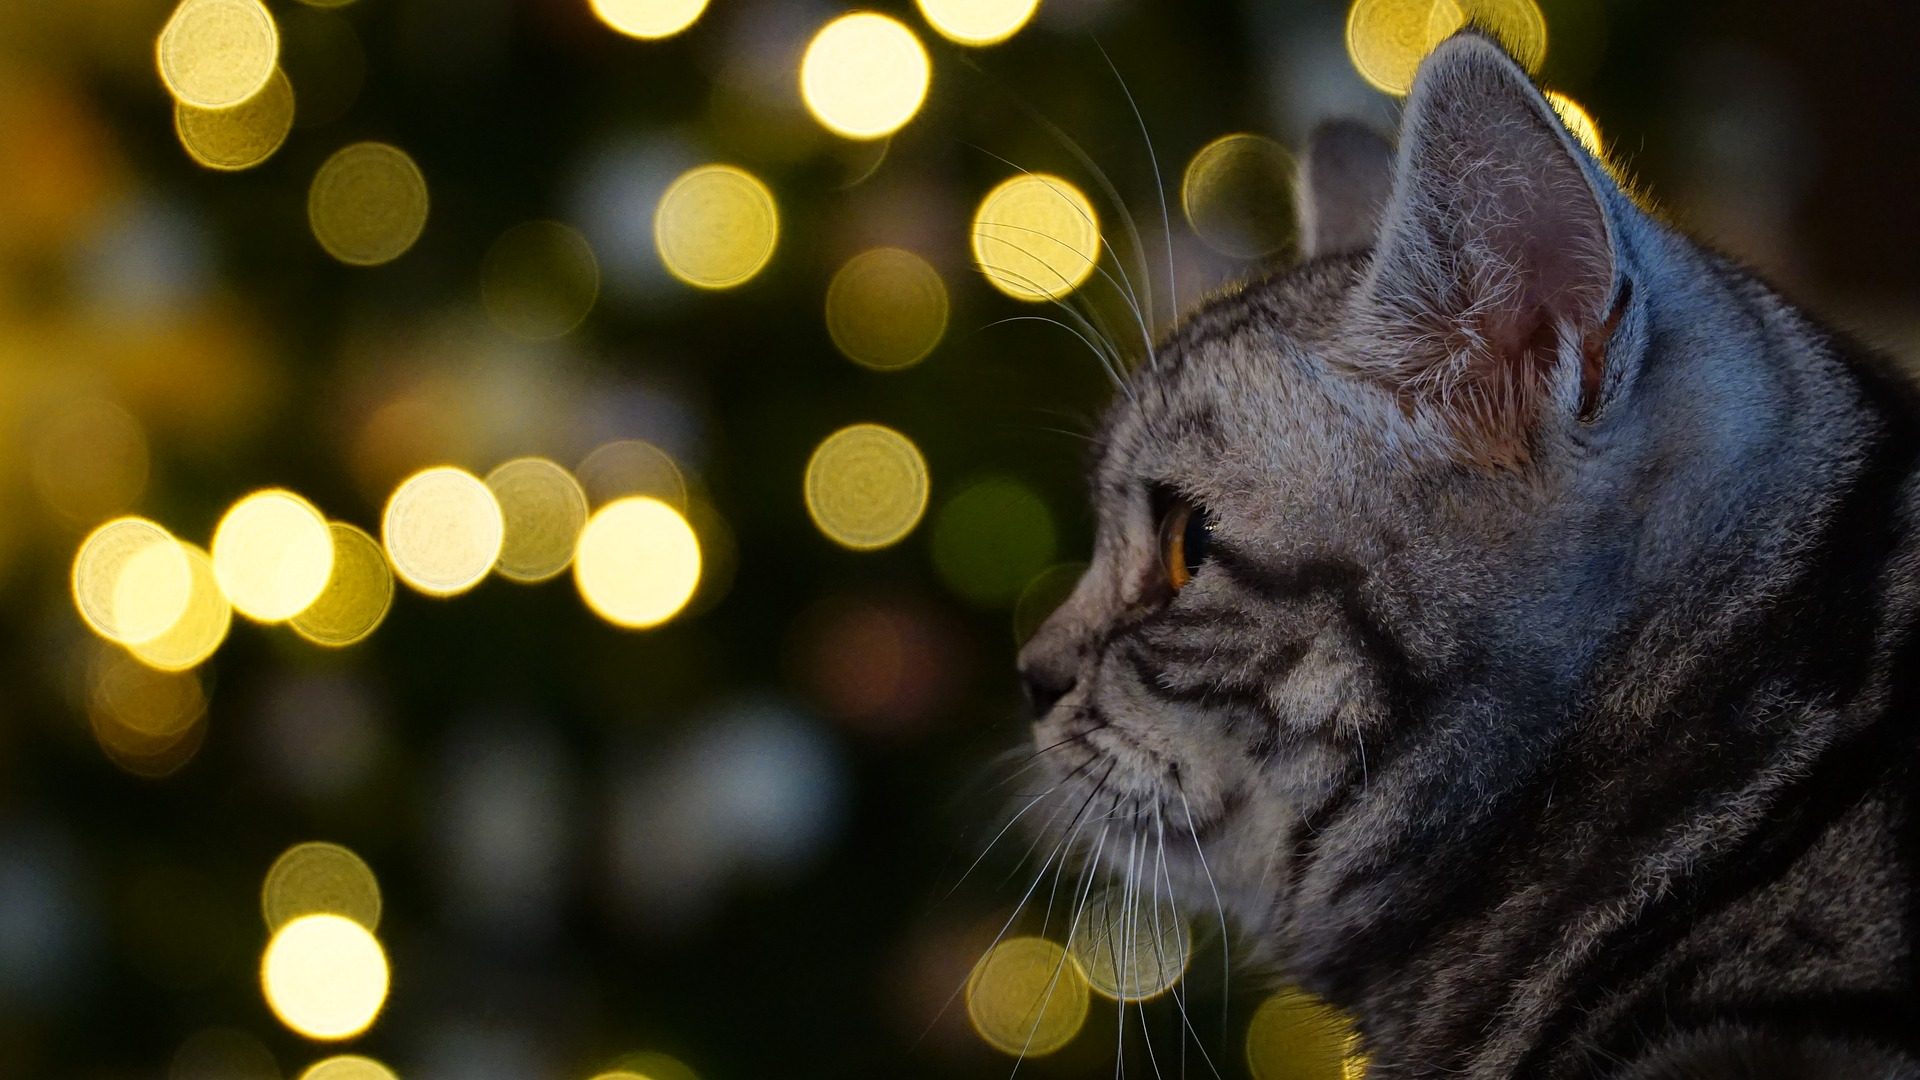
1046, 684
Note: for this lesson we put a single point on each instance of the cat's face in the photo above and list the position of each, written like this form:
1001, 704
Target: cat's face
1317, 485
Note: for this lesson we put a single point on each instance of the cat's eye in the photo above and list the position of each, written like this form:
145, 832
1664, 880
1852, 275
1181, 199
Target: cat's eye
1186, 535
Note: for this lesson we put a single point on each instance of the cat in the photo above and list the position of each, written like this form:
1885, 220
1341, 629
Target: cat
1506, 616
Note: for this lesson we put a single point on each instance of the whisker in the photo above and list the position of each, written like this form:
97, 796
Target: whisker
1218, 907
1159, 183
1179, 996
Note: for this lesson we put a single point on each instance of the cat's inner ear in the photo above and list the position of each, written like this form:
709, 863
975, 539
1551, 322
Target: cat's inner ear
1345, 179
1490, 292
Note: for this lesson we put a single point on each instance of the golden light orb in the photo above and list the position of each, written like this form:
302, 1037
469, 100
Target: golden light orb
148, 722
216, 53
1296, 1036
977, 22
368, 204
1131, 947
1027, 997
539, 280
1387, 39
358, 594
864, 75
1036, 237
318, 878
866, 486
272, 554
197, 634
1579, 122
238, 136
638, 562
886, 309
131, 580
1519, 26
90, 460
632, 467
716, 227
442, 530
648, 19
324, 976
348, 1067
1237, 194
543, 511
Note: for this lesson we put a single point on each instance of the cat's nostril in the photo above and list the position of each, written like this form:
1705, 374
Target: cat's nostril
1046, 688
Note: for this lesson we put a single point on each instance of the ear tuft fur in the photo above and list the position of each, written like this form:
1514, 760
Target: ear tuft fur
1489, 295
1344, 183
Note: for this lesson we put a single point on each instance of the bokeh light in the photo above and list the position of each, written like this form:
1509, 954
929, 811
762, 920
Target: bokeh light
348, 1067
1579, 122
148, 722
442, 530
324, 976
1296, 1036
131, 580
1132, 947
539, 280
638, 562
238, 136
1237, 194
359, 591
886, 308
715, 227
649, 1065
216, 53
866, 486
1027, 997
319, 878
200, 629
1036, 237
90, 460
977, 22
991, 539
649, 19
368, 204
542, 510
223, 1054
1519, 25
864, 75
625, 467
272, 554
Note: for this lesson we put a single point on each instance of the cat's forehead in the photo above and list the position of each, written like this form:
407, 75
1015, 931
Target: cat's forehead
1227, 369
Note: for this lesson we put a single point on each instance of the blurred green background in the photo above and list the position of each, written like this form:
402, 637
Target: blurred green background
733, 838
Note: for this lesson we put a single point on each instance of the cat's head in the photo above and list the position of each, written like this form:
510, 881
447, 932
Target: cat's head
1405, 468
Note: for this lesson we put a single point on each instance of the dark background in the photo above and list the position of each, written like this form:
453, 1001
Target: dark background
494, 757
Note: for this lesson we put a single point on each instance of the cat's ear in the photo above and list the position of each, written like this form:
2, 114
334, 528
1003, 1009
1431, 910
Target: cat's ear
1343, 185
1492, 292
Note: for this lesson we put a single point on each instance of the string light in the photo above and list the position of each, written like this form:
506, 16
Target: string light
543, 510
367, 204
1130, 951
238, 136
648, 19
217, 53
1296, 1036
131, 580
442, 530
272, 554
348, 1067
1237, 195
715, 227
201, 627
886, 309
324, 976
1027, 997
638, 562
864, 75
1036, 237
977, 22
866, 486
359, 591
539, 280
318, 878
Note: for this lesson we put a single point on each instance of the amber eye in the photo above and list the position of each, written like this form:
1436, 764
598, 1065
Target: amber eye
1186, 535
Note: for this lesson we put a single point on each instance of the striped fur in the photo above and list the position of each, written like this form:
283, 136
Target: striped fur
1555, 715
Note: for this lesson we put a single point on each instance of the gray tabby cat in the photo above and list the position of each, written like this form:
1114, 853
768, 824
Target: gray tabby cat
1510, 611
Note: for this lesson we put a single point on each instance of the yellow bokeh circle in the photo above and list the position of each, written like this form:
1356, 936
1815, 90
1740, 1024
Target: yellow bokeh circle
866, 486
543, 510
1237, 195
348, 1067
977, 22
1131, 947
716, 227
1579, 122
201, 627
359, 591
864, 75
239, 136
1296, 1036
442, 530
272, 554
648, 19
1387, 39
216, 53
886, 309
131, 580
318, 878
1519, 25
324, 976
539, 280
1036, 237
638, 562
367, 204
1027, 997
